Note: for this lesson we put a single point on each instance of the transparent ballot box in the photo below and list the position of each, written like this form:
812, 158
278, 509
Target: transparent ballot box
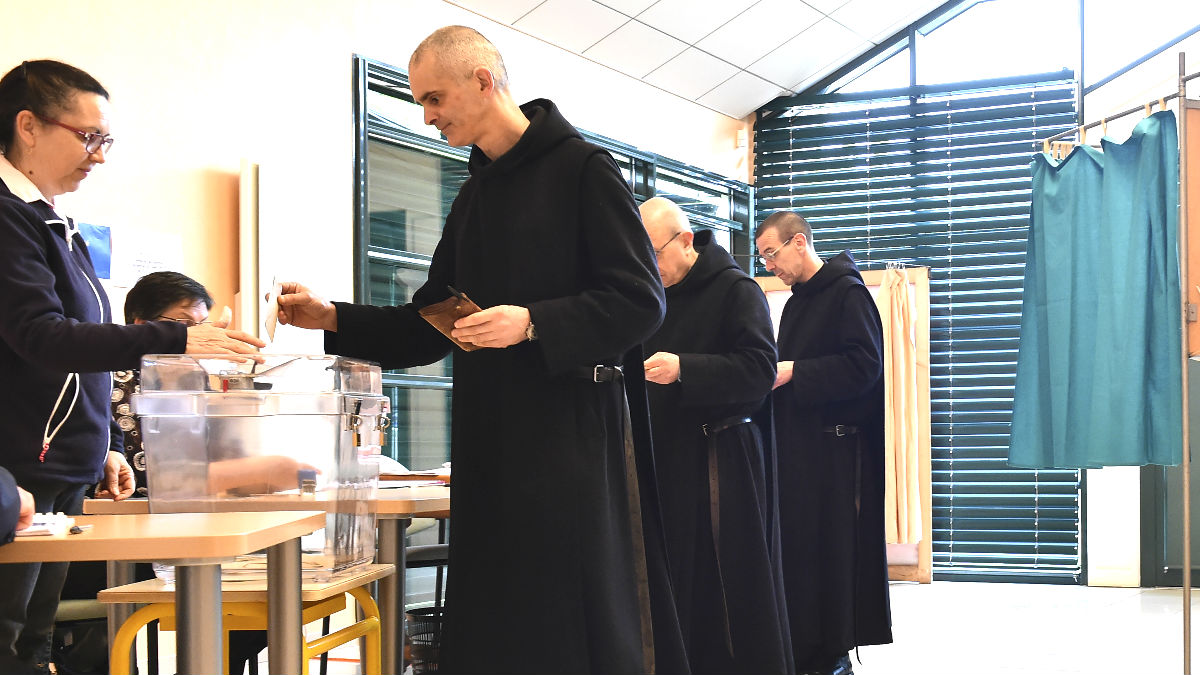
292, 432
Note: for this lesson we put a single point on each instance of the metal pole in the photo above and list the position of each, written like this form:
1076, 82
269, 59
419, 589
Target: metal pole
1187, 469
391, 593
285, 655
119, 573
198, 614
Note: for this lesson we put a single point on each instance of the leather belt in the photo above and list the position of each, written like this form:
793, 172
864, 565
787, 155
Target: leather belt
841, 430
714, 509
598, 373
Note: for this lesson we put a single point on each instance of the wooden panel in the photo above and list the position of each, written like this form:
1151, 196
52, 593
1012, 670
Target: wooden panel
165, 536
156, 590
429, 501
1192, 157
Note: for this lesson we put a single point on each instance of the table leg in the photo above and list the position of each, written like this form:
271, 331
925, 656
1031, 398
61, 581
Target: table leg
285, 653
198, 618
391, 593
119, 574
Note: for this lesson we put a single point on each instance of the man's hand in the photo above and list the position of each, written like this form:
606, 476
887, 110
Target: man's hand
662, 368
118, 482
498, 327
302, 308
783, 374
27, 508
209, 339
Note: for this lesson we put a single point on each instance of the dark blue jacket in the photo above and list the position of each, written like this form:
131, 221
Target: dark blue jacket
56, 340
10, 506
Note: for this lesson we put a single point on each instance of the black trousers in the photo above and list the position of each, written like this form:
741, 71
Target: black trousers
31, 590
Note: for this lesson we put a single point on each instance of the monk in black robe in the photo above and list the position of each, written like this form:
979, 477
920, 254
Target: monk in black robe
556, 554
711, 369
829, 425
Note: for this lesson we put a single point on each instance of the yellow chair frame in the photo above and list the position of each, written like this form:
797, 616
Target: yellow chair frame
253, 616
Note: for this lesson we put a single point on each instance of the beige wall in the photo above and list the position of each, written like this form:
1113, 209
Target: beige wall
196, 87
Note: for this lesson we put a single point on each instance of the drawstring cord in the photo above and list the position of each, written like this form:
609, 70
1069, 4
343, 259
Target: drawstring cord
47, 434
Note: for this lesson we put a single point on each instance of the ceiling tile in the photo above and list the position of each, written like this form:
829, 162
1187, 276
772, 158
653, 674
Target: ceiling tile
876, 20
807, 53
690, 20
627, 7
571, 24
758, 30
825, 6
635, 48
741, 95
691, 74
504, 11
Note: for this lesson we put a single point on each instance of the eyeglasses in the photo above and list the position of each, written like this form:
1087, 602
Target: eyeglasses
187, 322
91, 141
770, 254
659, 251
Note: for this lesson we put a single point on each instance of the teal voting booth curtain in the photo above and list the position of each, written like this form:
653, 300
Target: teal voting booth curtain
1099, 366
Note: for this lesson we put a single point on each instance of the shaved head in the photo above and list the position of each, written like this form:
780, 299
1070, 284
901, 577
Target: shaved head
663, 217
786, 224
459, 51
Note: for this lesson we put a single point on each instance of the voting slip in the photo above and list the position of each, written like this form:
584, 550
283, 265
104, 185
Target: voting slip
442, 315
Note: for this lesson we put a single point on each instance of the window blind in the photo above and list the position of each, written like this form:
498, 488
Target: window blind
939, 177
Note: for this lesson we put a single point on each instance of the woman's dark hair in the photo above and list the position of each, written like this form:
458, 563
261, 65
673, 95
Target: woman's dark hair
157, 292
47, 88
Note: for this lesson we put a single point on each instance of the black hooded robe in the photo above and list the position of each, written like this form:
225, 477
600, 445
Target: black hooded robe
831, 486
544, 566
719, 325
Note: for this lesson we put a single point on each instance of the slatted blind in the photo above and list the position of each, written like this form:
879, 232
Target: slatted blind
939, 177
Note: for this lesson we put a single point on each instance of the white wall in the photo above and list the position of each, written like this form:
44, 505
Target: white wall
196, 87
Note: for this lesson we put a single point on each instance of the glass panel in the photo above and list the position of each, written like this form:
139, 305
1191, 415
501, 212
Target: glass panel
401, 113
409, 194
691, 195
394, 283
991, 37
1116, 36
420, 433
891, 74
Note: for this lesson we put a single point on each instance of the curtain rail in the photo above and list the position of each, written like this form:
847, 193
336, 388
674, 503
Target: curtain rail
1081, 130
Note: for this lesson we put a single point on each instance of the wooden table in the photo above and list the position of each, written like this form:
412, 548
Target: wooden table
394, 508
206, 539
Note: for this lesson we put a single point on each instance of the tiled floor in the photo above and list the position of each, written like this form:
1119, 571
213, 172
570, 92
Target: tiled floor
952, 628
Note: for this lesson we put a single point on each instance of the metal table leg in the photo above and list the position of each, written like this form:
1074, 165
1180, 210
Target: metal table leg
285, 653
198, 618
391, 593
119, 573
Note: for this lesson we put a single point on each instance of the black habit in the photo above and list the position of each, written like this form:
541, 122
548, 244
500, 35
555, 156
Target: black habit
547, 568
732, 613
831, 479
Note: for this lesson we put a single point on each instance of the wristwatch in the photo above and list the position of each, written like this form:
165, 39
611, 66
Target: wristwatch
530, 332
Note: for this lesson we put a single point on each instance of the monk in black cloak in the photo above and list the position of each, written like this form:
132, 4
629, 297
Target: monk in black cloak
829, 433
711, 369
557, 558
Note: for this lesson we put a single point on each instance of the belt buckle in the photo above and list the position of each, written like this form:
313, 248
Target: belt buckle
840, 430
705, 429
596, 371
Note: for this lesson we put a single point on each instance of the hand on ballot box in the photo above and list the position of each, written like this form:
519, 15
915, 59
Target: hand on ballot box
260, 474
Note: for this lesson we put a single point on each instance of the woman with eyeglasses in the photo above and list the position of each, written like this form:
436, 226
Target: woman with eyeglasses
57, 340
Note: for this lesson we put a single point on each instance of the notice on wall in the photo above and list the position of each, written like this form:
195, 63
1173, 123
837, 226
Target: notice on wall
99, 243
132, 256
